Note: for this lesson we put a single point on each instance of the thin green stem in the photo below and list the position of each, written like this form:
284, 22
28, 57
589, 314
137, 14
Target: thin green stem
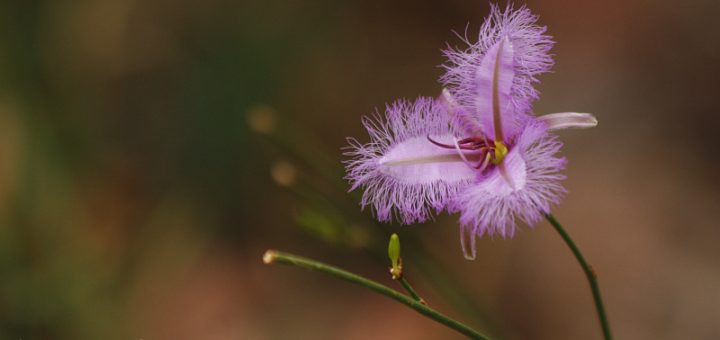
589, 273
272, 256
404, 282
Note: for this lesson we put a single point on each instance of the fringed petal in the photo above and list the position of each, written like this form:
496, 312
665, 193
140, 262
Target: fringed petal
402, 172
531, 57
492, 205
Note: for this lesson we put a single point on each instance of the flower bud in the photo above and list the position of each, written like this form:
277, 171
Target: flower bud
394, 254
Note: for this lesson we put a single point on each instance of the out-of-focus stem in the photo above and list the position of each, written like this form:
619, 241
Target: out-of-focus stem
272, 256
589, 273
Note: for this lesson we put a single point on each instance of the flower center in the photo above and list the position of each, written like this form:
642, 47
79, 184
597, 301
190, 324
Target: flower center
491, 152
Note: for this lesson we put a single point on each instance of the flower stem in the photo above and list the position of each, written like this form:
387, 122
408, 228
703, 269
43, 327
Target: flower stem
411, 291
272, 256
589, 273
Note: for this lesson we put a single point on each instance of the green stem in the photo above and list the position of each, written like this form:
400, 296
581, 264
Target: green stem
411, 291
589, 272
272, 256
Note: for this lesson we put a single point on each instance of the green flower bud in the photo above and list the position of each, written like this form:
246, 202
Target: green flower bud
394, 254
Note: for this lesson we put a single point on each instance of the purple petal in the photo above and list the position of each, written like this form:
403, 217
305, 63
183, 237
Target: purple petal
401, 171
417, 161
492, 204
530, 47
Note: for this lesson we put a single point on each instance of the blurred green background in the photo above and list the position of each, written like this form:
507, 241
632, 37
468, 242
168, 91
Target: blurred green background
150, 151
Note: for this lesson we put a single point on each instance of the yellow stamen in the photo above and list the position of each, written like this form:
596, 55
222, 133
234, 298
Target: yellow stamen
501, 151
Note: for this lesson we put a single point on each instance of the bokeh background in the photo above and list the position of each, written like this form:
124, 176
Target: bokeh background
150, 151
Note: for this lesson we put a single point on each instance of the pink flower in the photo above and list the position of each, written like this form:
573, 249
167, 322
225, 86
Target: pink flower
476, 150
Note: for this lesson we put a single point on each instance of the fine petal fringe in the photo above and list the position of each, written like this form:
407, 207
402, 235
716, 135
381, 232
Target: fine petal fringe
531, 56
393, 197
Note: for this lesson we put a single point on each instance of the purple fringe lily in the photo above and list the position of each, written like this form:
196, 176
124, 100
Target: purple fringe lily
476, 149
